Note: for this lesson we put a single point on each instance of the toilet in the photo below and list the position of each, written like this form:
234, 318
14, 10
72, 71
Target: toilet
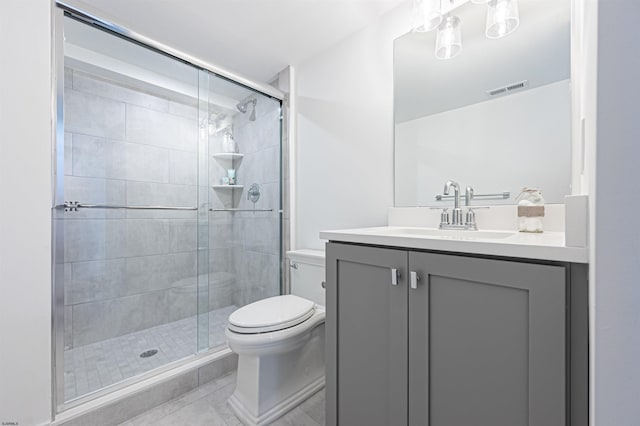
280, 344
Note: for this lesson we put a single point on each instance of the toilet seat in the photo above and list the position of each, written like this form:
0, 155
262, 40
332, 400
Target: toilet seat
272, 314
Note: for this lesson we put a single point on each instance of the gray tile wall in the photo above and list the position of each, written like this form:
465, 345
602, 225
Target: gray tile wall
245, 247
127, 270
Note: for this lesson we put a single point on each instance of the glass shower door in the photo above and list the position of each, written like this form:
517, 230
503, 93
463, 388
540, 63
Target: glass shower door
168, 210
245, 196
134, 225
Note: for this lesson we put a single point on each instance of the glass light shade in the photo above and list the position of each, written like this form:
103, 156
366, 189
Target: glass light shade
449, 39
502, 18
427, 15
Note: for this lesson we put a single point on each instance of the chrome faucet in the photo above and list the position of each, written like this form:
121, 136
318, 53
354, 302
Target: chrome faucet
457, 222
456, 214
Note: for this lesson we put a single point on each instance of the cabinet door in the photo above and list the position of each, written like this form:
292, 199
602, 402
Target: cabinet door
366, 330
486, 342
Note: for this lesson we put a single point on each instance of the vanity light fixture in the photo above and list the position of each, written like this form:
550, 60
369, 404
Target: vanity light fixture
502, 18
427, 15
449, 38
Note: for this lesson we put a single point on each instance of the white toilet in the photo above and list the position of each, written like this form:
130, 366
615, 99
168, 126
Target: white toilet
280, 345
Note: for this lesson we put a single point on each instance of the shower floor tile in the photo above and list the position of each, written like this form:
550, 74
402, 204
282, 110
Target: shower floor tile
97, 365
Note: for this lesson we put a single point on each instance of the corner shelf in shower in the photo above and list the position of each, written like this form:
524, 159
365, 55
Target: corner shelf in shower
228, 186
227, 156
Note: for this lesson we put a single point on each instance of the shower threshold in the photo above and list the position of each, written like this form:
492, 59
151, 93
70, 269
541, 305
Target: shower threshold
97, 365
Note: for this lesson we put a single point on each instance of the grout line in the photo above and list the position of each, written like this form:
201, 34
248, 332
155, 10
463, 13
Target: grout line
130, 89
133, 142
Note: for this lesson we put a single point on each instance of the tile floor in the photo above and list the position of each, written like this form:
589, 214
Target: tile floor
97, 365
207, 405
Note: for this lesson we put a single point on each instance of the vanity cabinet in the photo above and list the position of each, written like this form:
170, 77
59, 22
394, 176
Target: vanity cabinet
427, 338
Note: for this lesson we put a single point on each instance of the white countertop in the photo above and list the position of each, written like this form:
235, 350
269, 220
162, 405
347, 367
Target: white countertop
544, 246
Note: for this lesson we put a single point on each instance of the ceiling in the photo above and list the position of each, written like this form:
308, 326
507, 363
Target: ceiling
254, 38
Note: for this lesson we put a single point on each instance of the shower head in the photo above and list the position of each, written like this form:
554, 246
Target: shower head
242, 107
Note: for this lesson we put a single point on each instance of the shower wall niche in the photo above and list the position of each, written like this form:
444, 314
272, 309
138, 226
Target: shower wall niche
154, 247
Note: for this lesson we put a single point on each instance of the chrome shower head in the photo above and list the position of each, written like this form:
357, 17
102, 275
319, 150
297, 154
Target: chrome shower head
242, 107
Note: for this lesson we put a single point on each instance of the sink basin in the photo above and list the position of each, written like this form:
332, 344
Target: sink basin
448, 233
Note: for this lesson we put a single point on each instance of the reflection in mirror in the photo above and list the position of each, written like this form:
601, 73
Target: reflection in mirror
496, 117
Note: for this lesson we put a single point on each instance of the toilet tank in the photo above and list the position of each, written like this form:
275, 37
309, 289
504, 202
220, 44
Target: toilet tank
307, 274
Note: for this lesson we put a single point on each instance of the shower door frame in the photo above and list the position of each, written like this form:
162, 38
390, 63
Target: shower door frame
59, 9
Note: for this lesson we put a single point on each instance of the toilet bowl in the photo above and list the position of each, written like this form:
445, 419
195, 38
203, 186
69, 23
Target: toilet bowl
280, 346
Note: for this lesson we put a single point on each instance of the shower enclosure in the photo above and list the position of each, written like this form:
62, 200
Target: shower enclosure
167, 209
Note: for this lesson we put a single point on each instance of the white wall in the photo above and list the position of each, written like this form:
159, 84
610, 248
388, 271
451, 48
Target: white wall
503, 144
615, 238
25, 216
344, 138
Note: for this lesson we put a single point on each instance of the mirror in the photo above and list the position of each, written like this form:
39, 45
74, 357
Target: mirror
497, 117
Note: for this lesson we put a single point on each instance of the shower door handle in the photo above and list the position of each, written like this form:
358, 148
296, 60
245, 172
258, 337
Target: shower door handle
73, 206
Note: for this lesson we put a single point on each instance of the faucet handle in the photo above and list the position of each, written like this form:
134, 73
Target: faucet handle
470, 219
468, 196
444, 217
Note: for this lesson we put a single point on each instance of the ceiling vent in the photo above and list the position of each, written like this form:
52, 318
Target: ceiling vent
505, 90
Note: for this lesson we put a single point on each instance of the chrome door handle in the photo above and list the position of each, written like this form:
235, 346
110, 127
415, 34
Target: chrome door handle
413, 279
395, 274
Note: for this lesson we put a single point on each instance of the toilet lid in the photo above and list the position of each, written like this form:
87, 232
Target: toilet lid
274, 313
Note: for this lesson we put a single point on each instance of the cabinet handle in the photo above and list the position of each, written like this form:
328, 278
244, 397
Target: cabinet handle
395, 274
414, 278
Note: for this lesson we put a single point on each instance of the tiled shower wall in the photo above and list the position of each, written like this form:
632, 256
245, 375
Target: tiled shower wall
245, 246
127, 270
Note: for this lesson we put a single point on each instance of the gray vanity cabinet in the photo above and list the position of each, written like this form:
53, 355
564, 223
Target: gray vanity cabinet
462, 341
370, 348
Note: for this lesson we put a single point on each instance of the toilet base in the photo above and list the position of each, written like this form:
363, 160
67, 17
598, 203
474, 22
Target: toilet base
277, 370
279, 409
